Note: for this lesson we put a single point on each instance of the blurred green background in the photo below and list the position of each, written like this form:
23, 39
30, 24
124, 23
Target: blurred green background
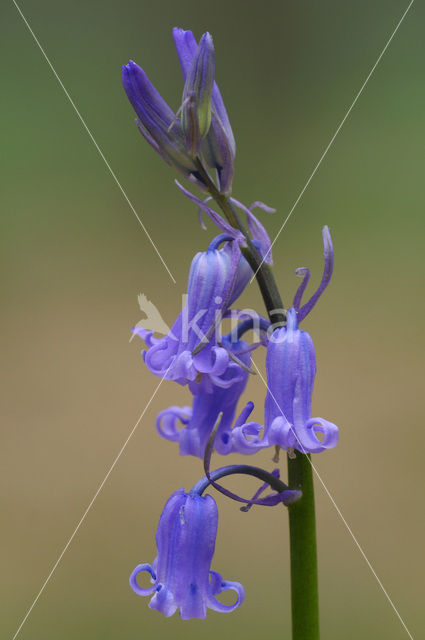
75, 258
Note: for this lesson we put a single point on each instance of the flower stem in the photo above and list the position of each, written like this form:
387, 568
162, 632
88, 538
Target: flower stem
303, 551
246, 469
302, 519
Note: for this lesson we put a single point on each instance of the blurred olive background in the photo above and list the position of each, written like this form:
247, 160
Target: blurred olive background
75, 258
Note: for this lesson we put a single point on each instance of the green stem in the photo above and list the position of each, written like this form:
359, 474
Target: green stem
302, 523
302, 533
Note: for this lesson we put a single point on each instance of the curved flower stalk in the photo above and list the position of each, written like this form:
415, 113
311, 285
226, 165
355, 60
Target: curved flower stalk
282, 493
291, 369
212, 396
181, 574
216, 278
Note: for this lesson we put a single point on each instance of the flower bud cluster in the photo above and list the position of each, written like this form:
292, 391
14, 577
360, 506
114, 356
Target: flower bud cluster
200, 130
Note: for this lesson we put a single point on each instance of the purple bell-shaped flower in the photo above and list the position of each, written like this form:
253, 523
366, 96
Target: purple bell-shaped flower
181, 574
216, 278
291, 369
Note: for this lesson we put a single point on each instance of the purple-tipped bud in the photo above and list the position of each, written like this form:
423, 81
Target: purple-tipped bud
181, 574
196, 106
218, 148
156, 121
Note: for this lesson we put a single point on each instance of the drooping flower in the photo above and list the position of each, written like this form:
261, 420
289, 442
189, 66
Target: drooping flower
216, 278
212, 396
181, 574
291, 369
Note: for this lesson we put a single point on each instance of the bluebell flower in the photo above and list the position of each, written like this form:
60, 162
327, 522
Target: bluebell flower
212, 396
180, 574
216, 278
218, 147
291, 369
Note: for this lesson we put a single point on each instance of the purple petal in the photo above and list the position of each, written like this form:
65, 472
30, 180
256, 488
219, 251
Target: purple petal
217, 586
147, 136
147, 102
186, 47
246, 438
164, 602
196, 112
257, 494
245, 413
133, 580
327, 274
200, 218
166, 422
305, 274
257, 230
214, 361
215, 217
281, 433
310, 441
219, 153
155, 118
262, 206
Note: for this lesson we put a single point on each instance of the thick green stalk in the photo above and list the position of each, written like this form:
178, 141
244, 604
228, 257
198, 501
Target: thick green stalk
302, 534
302, 523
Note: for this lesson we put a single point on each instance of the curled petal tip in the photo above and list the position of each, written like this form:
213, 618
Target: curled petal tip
261, 205
207, 38
328, 254
133, 580
301, 271
327, 240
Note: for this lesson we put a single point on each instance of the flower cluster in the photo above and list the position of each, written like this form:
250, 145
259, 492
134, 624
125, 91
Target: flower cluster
216, 368
197, 140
